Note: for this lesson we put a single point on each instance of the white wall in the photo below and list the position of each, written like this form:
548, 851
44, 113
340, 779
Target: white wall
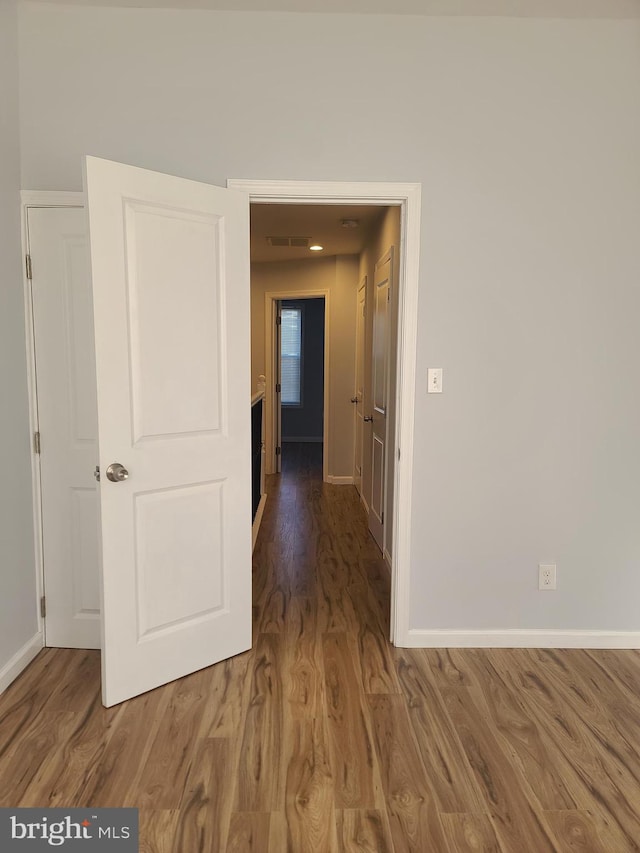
339, 276
525, 136
18, 620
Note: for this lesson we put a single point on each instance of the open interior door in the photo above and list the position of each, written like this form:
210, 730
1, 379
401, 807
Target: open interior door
380, 382
170, 270
358, 399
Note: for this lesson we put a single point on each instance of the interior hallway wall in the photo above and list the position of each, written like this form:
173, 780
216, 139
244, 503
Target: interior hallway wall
339, 276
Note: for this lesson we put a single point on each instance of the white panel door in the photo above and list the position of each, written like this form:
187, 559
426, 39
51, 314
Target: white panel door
170, 269
358, 399
67, 421
380, 389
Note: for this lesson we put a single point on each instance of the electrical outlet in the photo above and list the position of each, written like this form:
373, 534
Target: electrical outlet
434, 380
547, 576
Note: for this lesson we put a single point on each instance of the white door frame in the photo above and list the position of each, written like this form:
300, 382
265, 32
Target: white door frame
270, 300
408, 197
30, 199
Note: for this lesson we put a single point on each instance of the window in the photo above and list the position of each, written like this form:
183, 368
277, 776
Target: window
291, 356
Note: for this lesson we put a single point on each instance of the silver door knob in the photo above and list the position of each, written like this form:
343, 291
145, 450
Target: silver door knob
368, 419
117, 472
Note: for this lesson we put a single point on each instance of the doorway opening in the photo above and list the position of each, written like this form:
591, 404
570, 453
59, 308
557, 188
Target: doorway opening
271, 203
322, 349
300, 389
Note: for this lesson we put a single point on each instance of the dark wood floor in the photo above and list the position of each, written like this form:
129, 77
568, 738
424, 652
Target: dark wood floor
324, 738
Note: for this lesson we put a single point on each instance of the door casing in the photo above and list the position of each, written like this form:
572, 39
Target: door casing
408, 197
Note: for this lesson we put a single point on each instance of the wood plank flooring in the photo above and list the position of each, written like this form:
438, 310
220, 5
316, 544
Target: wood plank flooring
324, 738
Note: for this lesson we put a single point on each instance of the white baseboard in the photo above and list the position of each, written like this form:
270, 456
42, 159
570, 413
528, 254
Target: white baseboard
365, 505
519, 639
257, 520
20, 661
303, 439
339, 481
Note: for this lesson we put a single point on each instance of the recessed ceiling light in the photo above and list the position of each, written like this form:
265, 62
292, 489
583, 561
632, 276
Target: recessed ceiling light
316, 248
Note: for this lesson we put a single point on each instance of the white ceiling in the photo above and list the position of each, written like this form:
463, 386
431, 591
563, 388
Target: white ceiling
507, 8
319, 222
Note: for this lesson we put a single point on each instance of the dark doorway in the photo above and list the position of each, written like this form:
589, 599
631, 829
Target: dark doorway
302, 376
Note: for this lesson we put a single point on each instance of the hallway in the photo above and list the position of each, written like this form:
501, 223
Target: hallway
325, 739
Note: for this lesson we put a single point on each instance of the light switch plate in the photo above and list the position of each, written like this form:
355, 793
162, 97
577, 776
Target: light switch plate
434, 380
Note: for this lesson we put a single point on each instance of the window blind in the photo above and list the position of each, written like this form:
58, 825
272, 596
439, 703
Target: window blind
291, 356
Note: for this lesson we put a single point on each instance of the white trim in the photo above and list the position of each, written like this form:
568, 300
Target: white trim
339, 481
387, 558
270, 300
36, 483
20, 661
259, 395
257, 520
408, 288
51, 198
521, 639
364, 503
408, 196
324, 192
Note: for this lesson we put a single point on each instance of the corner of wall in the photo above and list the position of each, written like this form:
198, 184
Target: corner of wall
20, 660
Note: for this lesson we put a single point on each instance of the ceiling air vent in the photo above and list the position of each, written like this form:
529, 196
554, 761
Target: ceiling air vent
291, 242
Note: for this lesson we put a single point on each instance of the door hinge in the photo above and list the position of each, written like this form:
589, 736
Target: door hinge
278, 451
278, 388
382, 518
43, 606
28, 265
36, 442
389, 294
278, 320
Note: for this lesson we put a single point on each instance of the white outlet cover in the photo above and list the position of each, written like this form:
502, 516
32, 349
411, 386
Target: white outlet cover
434, 380
547, 576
